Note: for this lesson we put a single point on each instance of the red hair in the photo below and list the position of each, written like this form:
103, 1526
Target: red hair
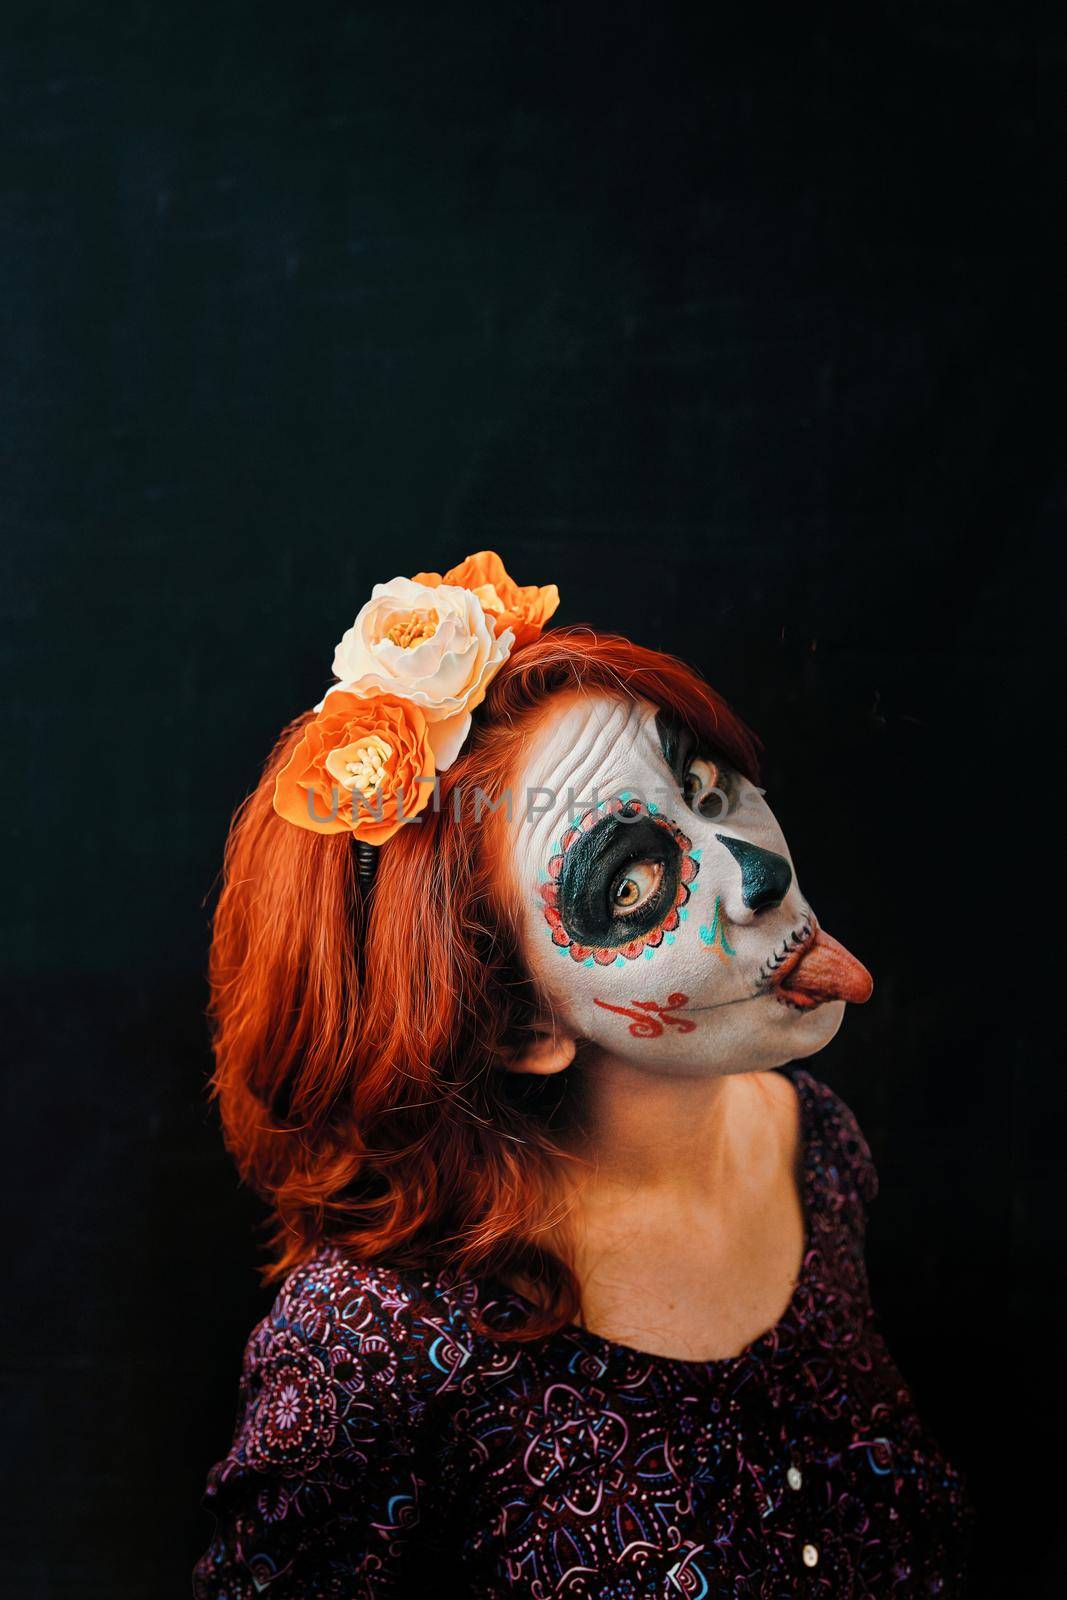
359, 1050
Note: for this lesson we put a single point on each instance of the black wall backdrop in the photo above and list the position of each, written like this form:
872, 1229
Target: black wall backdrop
739, 324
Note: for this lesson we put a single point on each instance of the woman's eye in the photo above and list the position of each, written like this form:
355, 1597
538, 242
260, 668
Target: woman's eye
635, 886
699, 776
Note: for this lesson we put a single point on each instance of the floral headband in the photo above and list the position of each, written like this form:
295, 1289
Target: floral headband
412, 667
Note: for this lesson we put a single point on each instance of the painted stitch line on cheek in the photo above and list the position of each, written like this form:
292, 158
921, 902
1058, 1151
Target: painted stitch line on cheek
795, 941
649, 1016
631, 811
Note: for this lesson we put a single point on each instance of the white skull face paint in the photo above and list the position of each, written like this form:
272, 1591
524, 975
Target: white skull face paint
662, 918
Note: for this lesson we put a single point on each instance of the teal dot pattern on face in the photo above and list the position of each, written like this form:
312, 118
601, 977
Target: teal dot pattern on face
645, 944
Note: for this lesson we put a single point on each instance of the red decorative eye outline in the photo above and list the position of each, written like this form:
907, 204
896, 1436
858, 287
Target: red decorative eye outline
604, 957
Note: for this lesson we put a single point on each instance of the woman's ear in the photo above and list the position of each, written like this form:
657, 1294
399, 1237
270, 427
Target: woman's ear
547, 1048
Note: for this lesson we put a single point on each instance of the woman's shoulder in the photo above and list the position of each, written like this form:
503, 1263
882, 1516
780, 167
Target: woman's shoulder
391, 1331
835, 1146
326, 1468
334, 1293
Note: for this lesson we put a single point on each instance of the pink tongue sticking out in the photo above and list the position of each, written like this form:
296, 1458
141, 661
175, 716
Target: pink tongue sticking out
826, 971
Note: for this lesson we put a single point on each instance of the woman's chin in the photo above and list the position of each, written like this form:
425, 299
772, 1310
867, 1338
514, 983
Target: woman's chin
806, 1032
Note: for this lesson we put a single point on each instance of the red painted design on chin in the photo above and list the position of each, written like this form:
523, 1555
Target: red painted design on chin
649, 1016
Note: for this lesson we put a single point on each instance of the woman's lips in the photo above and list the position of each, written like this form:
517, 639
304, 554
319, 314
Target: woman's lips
822, 970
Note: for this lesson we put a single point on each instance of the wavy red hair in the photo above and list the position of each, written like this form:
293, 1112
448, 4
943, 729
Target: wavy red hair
360, 1049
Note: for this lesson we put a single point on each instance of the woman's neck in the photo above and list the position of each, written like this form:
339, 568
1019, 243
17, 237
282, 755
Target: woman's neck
680, 1186
670, 1140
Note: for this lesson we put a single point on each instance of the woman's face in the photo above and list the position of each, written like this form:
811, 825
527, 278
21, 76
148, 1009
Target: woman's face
662, 915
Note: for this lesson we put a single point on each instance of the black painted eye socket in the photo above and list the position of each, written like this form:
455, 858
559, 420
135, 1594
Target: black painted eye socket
618, 881
709, 785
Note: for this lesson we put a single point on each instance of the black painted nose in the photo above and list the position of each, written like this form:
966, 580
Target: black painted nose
765, 877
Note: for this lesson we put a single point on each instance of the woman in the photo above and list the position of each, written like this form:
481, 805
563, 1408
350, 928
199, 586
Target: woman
511, 976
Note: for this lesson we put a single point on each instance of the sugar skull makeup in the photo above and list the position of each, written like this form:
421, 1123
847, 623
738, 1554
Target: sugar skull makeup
662, 918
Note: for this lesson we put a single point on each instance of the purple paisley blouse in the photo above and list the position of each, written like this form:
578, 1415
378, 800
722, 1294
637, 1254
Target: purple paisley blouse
383, 1448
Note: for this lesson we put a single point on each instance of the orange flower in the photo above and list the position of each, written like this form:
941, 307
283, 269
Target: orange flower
526, 610
356, 768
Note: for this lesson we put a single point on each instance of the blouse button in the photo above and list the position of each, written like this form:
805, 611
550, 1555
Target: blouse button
793, 1478
810, 1555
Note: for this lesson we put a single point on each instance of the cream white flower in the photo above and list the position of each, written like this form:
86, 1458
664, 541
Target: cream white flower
431, 644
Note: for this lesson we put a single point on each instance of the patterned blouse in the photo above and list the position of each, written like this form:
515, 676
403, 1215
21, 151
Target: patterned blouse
383, 1448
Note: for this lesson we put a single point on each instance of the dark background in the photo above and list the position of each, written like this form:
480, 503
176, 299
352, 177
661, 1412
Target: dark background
739, 324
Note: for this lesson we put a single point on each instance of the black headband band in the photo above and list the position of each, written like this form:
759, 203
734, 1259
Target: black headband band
366, 863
